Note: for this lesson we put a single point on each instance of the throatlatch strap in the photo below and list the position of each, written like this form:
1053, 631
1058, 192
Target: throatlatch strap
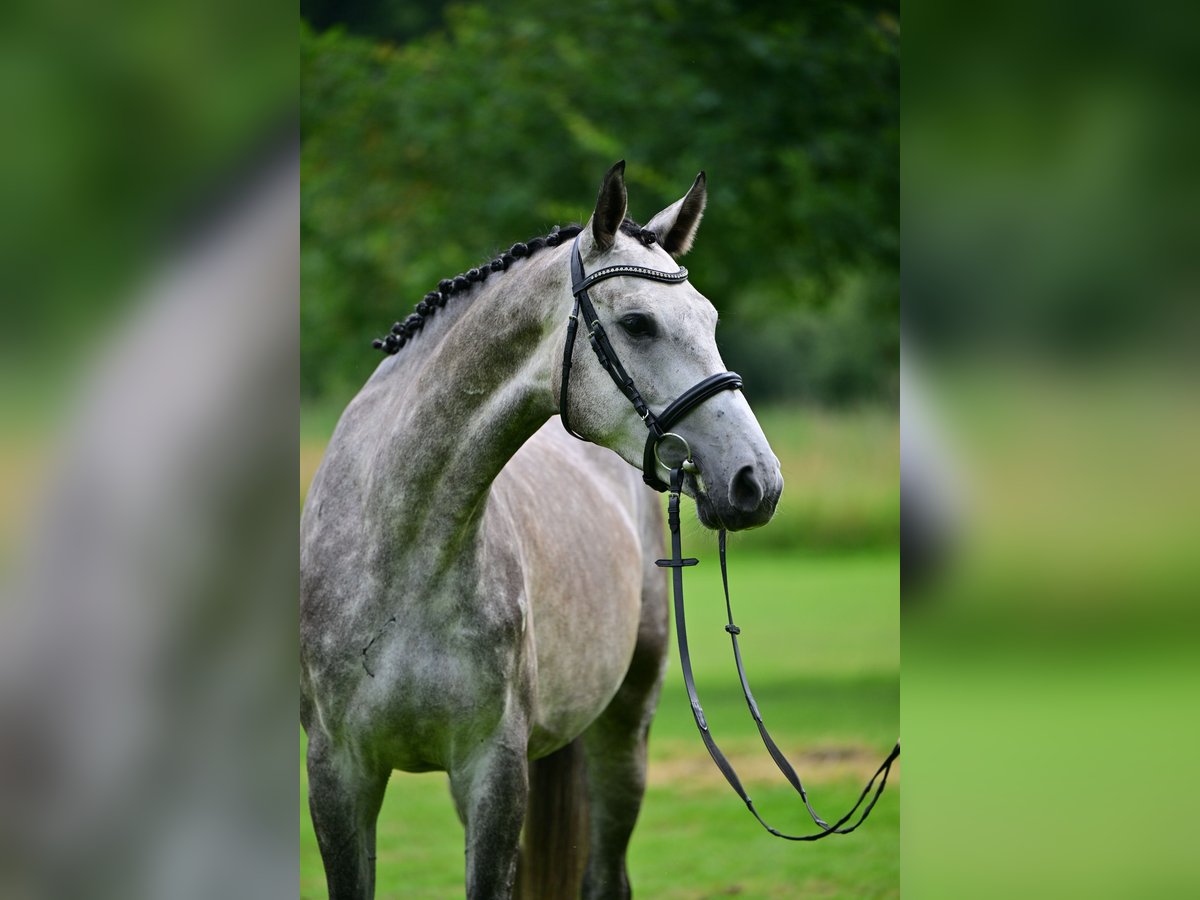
676, 564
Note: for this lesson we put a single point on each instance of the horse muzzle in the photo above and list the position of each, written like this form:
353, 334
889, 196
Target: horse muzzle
746, 499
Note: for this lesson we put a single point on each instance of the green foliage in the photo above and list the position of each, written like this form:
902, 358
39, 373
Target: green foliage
421, 159
397, 20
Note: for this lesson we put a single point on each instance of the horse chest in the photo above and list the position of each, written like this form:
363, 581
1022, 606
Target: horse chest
436, 678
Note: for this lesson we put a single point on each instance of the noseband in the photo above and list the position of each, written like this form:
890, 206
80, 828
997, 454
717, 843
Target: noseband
660, 443
660, 440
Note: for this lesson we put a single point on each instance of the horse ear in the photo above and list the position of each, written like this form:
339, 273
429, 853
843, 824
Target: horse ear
675, 227
610, 206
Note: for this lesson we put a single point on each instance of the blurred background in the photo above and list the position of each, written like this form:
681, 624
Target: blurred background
1051, 211
148, 383
435, 134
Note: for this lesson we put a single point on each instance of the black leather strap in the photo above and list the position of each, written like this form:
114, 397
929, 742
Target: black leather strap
583, 283
676, 564
568, 352
697, 394
598, 337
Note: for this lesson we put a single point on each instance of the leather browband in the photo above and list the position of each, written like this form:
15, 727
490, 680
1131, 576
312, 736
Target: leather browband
635, 271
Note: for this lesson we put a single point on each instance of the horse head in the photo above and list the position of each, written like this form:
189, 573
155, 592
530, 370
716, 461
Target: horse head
663, 332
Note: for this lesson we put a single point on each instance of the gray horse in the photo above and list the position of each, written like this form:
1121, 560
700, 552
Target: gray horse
478, 589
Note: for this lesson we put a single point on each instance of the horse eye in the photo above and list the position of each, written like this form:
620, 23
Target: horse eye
638, 325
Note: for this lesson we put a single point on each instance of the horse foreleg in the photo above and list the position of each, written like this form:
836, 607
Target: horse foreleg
344, 800
616, 779
490, 791
615, 745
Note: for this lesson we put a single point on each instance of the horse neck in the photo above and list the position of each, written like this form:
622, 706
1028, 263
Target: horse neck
461, 407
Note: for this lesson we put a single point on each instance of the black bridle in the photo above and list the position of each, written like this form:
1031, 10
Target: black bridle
659, 442
658, 425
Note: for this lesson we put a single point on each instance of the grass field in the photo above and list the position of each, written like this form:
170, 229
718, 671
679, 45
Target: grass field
821, 641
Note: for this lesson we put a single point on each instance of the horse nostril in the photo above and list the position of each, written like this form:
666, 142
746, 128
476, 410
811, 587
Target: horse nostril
745, 493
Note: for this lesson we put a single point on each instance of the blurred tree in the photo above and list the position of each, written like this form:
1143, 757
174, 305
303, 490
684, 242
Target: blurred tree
394, 20
423, 157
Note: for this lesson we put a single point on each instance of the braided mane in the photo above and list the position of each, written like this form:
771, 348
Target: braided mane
405, 331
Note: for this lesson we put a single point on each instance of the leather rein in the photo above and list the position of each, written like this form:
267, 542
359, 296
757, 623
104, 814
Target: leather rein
660, 443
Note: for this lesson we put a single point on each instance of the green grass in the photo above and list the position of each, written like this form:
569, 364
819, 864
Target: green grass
841, 471
821, 640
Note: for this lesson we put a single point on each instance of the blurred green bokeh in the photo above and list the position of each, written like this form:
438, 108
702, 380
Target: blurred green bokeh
1051, 270
436, 134
124, 127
